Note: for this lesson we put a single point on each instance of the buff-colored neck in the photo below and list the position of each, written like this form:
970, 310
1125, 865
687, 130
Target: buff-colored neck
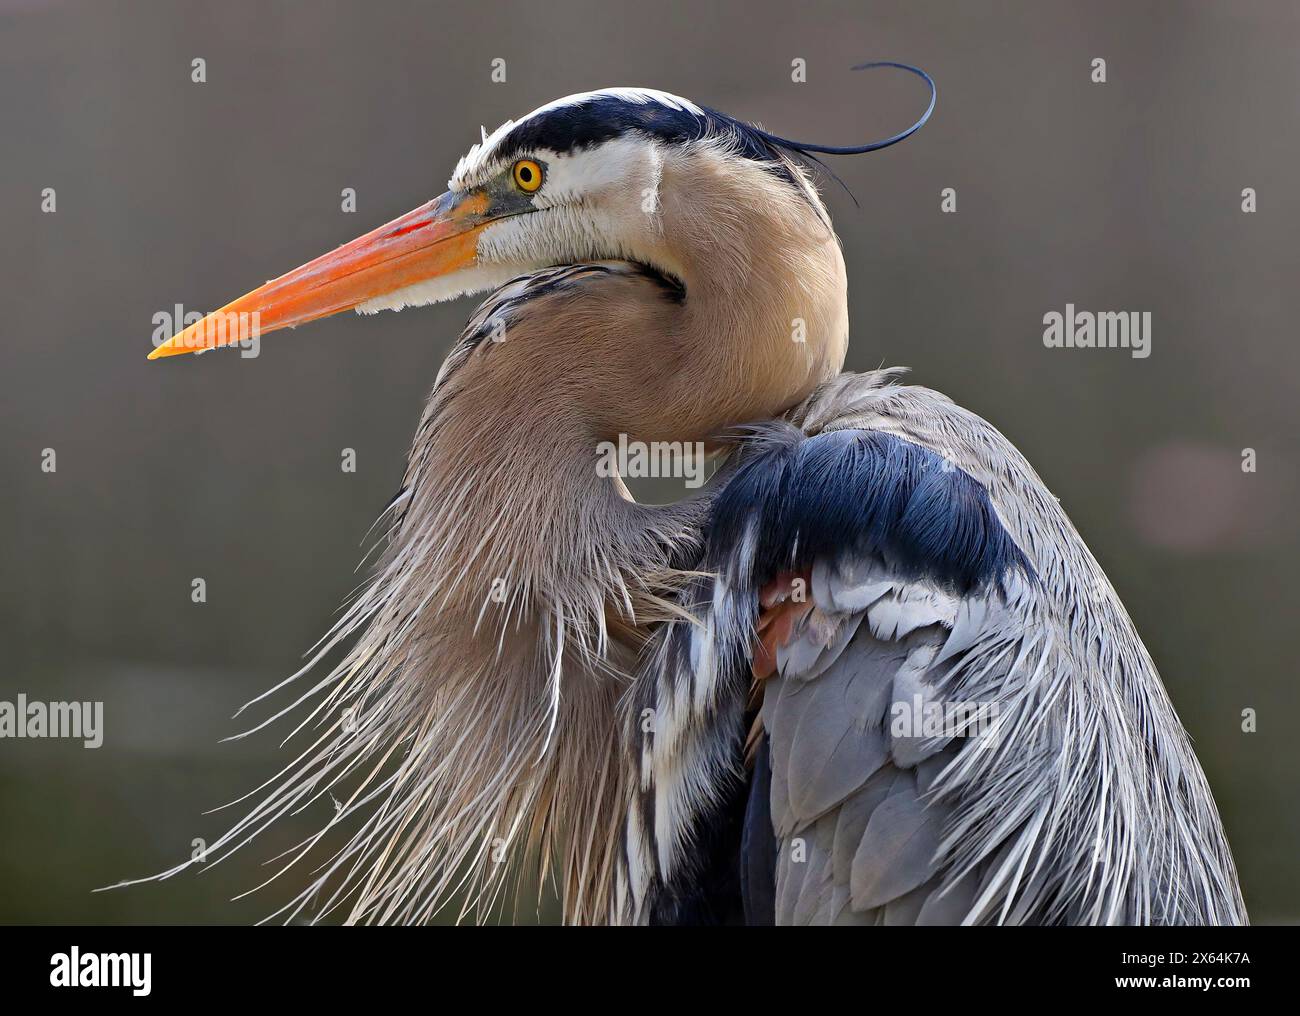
503, 627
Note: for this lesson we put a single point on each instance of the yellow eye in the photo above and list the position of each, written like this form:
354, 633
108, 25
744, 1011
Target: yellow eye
527, 174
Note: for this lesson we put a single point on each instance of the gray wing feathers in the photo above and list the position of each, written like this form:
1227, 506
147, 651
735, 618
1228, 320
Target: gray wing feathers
854, 804
898, 848
1081, 803
805, 876
827, 735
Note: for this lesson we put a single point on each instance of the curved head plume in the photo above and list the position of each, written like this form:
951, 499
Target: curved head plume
807, 147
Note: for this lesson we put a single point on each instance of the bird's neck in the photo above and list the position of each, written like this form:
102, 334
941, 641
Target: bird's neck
764, 315
508, 493
516, 585
521, 578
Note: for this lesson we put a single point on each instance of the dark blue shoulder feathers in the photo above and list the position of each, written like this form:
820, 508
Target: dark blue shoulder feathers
848, 491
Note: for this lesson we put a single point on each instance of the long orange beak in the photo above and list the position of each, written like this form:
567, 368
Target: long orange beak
435, 239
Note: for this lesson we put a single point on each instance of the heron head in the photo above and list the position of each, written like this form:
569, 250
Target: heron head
620, 174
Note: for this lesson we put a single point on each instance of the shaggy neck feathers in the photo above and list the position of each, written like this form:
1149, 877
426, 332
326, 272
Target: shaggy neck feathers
508, 537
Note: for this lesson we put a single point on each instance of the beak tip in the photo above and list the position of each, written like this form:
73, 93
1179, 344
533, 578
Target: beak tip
168, 348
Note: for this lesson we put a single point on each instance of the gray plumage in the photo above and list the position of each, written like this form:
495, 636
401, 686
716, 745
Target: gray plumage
1083, 803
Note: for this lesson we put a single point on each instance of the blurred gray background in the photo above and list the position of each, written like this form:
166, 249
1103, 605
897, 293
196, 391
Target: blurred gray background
1117, 196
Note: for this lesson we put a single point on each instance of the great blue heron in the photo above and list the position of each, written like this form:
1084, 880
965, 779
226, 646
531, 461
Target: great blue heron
712, 711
